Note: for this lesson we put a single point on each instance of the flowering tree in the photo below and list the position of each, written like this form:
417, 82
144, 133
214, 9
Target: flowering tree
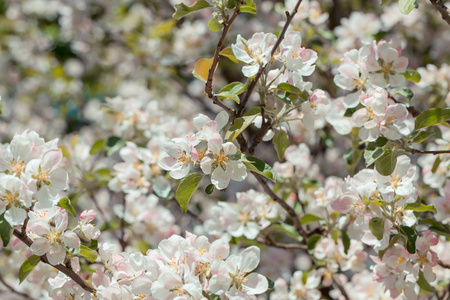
305, 156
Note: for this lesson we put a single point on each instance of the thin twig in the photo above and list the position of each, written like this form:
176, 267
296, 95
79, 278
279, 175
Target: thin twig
13, 290
444, 265
68, 271
434, 152
443, 10
289, 16
340, 287
270, 242
208, 86
295, 219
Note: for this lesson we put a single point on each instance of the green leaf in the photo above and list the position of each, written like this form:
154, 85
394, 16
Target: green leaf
411, 75
231, 4
376, 226
228, 53
350, 111
28, 265
214, 24
374, 150
235, 87
88, 253
65, 203
209, 189
113, 144
182, 10
440, 230
229, 95
249, 7
5, 230
288, 229
97, 146
271, 283
436, 164
242, 123
284, 99
406, 6
313, 240
290, 89
419, 207
411, 236
432, 117
383, 2
93, 244
201, 68
405, 92
258, 166
309, 218
421, 137
424, 285
187, 188
345, 241
385, 164
281, 142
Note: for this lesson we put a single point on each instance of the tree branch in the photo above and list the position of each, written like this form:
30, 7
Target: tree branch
289, 16
443, 10
68, 271
13, 290
283, 204
267, 240
434, 152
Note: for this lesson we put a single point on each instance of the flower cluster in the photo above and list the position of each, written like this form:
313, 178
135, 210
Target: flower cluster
204, 149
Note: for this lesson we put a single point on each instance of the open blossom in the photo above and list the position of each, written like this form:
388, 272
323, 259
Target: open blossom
52, 240
220, 165
46, 178
85, 226
297, 58
387, 64
176, 157
254, 52
234, 273
15, 197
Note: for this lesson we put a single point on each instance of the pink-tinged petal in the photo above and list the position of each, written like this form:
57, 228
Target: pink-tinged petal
15, 216
220, 178
255, 284
88, 215
59, 179
71, 239
61, 220
91, 232
249, 259
229, 148
250, 71
239, 171
39, 227
215, 143
344, 203
51, 159
181, 173
168, 162
56, 255
205, 165
387, 54
400, 64
221, 119
40, 246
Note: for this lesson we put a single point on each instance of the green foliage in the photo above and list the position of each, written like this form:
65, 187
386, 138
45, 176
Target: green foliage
28, 265
281, 142
113, 144
209, 189
376, 226
240, 124
374, 150
434, 116
228, 53
5, 230
214, 24
88, 253
406, 6
97, 146
419, 207
249, 7
65, 203
182, 10
424, 285
411, 236
201, 68
309, 218
405, 92
411, 75
187, 188
385, 164
258, 166
312, 242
